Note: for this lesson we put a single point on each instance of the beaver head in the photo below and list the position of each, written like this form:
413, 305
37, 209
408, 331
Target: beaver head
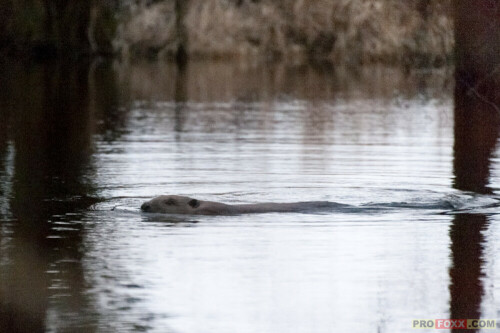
171, 204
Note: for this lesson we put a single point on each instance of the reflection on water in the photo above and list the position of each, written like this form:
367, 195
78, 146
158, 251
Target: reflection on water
76, 142
466, 288
45, 176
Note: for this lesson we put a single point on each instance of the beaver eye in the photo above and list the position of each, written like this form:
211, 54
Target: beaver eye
170, 202
194, 203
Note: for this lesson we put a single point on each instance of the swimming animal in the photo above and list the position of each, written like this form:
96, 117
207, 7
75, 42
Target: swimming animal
176, 204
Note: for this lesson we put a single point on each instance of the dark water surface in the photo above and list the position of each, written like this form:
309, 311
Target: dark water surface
82, 147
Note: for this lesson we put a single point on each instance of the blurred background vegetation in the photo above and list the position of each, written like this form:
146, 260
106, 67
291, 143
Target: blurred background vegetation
353, 31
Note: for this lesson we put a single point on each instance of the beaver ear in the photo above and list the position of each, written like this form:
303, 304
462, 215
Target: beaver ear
194, 203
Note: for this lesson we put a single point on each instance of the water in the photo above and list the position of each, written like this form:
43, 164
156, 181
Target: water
82, 148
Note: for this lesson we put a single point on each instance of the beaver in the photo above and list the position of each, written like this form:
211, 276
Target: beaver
176, 204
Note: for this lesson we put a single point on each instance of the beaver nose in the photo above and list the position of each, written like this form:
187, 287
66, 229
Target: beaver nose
145, 207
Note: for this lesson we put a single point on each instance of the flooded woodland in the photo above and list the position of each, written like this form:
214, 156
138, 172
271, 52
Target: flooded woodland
410, 150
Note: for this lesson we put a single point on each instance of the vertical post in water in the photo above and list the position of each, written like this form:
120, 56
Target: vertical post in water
181, 59
477, 114
68, 22
477, 79
181, 55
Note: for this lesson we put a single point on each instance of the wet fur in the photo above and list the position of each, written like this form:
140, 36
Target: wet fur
175, 204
